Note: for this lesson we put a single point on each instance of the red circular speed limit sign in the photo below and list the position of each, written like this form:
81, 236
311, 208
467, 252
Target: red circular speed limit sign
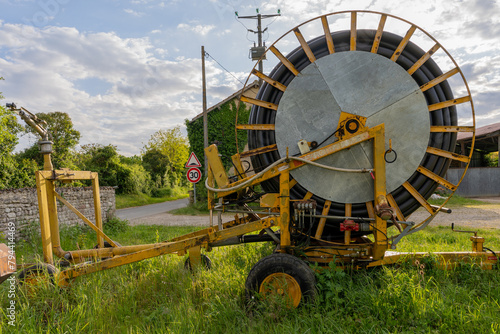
193, 175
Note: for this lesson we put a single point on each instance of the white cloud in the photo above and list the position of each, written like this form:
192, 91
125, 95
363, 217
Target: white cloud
42, 67
156, 81
199, 29
133, 12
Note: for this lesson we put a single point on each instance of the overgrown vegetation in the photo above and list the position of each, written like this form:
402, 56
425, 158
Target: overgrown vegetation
160, 296
163, 195
221, 125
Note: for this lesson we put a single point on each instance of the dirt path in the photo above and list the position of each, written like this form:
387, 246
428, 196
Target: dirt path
472, 216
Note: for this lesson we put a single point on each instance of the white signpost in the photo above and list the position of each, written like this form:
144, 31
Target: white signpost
193, 174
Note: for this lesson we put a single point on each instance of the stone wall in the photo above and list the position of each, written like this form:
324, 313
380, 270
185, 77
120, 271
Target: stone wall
21, 206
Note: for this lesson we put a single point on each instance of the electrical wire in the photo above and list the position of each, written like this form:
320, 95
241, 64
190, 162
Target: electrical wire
498, 259
277, 162
209, 55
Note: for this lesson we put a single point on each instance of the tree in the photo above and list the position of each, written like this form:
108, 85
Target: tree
105, 160
13, 173
157, 164
64, 136
221, 125
172, 144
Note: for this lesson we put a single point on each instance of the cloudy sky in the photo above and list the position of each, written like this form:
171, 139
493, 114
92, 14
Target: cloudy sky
125, 69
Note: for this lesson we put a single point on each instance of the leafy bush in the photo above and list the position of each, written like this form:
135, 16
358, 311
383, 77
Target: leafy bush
161, 192
116, 225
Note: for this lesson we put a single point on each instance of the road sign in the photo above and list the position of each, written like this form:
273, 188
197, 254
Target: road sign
193, 175
192, 161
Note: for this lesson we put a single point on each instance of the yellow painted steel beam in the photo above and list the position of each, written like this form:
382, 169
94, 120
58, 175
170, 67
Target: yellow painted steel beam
311, 156
195, 256
218, 170
53, 218
413, 192
447, 154
378, 34
348, 209
85, 219
439, 79
238, 230
259, 103
322, 221
270, 200
284, 207
293, 183
284, 60
437, 178
452, 128
68, 175
41, 187
449, 103
354, 32
308, 196
261, 127
83, 255
423, 59
446, 260
64, 276
394, 205
403, 43
259, 150
369, 209
304, 45
205, 231
236, 159
380, 231
269, 80
97, 211
328, 35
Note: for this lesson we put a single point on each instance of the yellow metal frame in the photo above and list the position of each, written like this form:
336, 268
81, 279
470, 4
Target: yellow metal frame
373, 253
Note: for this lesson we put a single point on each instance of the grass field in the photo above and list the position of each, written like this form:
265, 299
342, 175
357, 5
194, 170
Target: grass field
130, 200
160, 296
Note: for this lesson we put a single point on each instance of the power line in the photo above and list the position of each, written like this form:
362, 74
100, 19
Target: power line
208, 55
258, 51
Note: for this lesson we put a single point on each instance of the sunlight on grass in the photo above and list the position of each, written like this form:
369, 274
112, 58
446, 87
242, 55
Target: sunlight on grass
131, 200
159, 296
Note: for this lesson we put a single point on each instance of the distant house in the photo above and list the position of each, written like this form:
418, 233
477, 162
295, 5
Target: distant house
249, 91
221, 126
480, 179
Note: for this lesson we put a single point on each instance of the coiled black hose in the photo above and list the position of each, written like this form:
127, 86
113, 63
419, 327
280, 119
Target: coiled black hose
389, 42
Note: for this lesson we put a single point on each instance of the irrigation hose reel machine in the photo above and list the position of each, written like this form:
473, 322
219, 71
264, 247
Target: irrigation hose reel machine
350, 133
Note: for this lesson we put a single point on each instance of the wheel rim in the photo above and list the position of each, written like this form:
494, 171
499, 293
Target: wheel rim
282, 284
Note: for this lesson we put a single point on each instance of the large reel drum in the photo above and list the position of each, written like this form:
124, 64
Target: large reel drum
373, 76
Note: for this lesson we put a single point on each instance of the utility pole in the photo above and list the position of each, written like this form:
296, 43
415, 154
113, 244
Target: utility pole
259, 50
205, 125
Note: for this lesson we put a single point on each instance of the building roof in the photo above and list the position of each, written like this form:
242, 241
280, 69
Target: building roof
235, 95
486, 137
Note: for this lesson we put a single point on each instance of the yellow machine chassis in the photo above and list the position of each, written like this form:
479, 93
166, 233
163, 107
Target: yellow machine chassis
359, 252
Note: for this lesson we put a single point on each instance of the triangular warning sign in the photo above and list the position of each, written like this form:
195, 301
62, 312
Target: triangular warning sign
192, 161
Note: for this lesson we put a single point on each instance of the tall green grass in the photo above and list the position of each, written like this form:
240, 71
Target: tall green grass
160, 296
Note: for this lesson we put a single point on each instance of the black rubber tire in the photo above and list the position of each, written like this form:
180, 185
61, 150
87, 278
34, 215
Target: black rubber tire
205, 260
38, 270
282, 263
108, 245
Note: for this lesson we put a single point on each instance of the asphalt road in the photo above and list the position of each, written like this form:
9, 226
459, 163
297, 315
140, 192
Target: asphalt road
150, 210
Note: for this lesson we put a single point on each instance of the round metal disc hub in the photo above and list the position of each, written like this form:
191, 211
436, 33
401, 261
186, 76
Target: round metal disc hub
358, 83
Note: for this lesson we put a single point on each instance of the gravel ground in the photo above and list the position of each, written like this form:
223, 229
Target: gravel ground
473, 216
